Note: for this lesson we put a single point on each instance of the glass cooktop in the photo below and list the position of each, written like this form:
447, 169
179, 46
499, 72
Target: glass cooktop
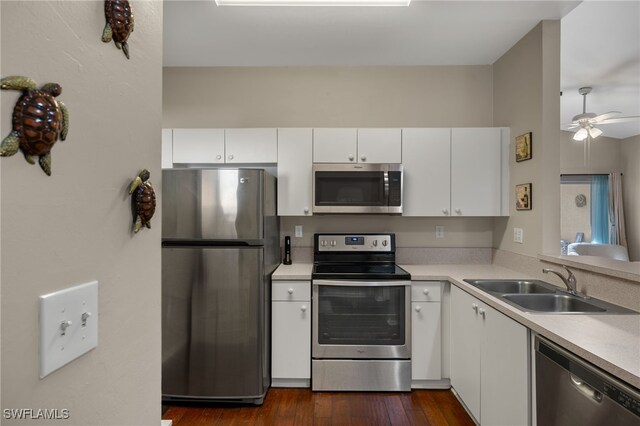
350, 271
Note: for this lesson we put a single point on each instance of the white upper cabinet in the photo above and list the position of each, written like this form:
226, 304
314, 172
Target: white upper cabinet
476, 172
203, 146
379, 146
335, 145
295, 148
251, 145
167, 148
426, 155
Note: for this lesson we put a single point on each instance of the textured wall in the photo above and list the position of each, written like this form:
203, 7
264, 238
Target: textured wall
74, 226
573, 218
526, 83
631, 190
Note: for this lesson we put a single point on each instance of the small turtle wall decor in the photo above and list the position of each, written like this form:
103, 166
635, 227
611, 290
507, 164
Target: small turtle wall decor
119, 24
143, 200
38, 120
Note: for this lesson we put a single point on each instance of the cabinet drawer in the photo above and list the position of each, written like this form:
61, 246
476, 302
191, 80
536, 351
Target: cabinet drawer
425, 291
291, 290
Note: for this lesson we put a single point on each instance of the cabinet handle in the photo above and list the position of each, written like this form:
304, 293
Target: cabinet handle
445, 212
303, 308
363, 158
218, 157
350, 157
306, 210
482, 312
457, 211
425, 291
231, 157
290, 291
418, 308
474, 307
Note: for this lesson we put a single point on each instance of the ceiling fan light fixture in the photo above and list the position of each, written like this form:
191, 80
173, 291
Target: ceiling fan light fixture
594, 132
581, 134
312, 2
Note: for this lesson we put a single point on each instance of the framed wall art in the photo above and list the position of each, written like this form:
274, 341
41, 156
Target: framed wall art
523, 196
523, 147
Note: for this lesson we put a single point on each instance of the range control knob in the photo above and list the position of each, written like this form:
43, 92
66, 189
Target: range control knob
384, 243
333, 243
375, 243
323, 243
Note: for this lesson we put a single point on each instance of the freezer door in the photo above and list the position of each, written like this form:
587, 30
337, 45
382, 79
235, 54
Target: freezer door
212, 204
213, 323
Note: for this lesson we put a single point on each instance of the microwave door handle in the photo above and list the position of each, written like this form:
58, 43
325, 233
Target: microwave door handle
386, 187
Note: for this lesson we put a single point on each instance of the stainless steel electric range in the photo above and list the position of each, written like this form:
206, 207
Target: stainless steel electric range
361, 328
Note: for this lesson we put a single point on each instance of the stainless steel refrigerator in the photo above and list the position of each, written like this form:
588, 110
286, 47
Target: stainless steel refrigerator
220, 245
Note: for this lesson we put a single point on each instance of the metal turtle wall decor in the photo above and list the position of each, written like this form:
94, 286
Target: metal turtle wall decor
38, 120
119, 24
143, 200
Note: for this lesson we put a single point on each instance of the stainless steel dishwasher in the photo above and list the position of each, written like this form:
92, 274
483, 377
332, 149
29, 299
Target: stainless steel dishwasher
570, 391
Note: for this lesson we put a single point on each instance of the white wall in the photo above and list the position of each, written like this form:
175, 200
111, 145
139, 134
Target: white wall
526, 83
575, 219
631, 193
421, 96
74, 226
599, 156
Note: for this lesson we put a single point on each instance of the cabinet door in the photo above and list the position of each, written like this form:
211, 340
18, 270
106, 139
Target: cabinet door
291, 340
251, 145
465, 349
203, 146
379, 146
335, 145
475, 172
426, 155
295, 148
167, 148
425, 341
505, 371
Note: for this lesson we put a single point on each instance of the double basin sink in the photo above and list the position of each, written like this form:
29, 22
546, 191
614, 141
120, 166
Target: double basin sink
541, 297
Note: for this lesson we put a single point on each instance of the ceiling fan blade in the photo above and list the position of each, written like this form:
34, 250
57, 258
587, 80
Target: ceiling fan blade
620, 120
605, 116
571, 126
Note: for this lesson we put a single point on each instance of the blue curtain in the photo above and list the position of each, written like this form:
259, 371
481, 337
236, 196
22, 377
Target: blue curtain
600, 209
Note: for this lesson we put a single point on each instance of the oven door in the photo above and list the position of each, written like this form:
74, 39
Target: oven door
361, 319
357, 188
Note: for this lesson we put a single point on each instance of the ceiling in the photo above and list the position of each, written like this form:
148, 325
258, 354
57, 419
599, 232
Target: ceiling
600, 41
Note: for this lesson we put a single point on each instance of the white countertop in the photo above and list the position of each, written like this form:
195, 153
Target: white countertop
611, 342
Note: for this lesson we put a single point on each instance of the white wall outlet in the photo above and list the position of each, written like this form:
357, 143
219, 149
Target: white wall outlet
68, 325
298, 231
518, 235
439, 231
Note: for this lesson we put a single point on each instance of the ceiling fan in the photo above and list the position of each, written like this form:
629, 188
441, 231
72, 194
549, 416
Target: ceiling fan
586, 121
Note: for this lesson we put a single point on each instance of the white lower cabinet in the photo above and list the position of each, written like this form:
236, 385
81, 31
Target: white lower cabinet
426, 326
291, 334
489, 362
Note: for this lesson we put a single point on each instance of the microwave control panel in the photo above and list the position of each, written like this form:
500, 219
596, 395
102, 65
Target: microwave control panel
369, 243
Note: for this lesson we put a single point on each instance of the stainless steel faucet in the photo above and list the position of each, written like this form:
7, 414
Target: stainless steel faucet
570, 281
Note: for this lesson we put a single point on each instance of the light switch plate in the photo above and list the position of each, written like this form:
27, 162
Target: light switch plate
439, 232
518, 235
298, 231
61, 344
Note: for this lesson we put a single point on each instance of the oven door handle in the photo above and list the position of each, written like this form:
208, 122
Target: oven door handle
386, 187
358, 283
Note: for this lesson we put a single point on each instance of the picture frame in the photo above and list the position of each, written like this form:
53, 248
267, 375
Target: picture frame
523, 147
524, 196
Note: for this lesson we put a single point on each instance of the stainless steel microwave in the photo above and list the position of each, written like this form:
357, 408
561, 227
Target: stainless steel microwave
357, 188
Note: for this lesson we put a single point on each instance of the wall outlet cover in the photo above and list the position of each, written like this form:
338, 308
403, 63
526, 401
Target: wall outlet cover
439, 231
68, 325
518, 235
298, 231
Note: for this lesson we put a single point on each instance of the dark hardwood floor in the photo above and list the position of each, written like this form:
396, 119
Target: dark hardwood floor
303, 407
